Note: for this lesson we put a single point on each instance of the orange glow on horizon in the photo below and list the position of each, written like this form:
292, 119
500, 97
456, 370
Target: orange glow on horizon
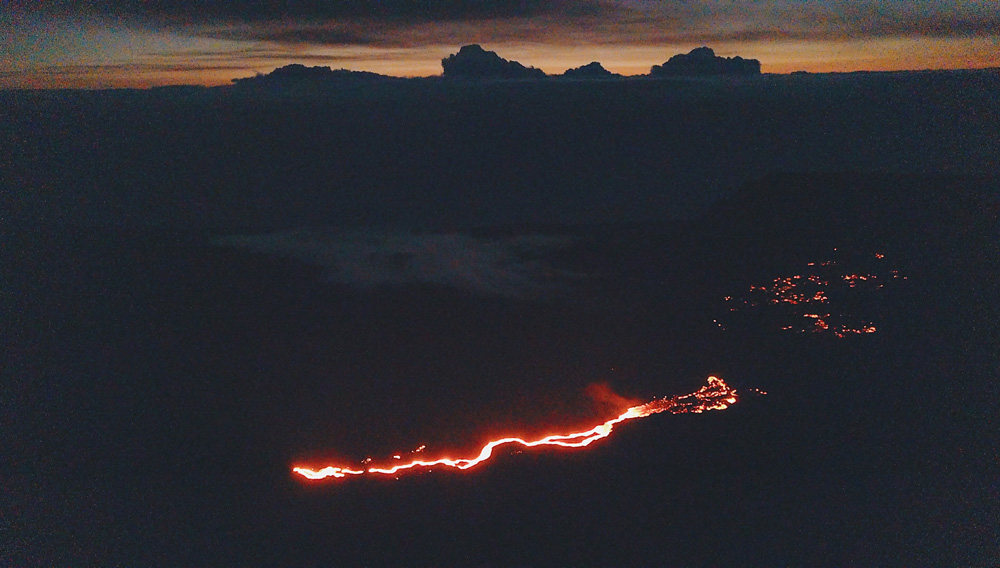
777, 56
716, 395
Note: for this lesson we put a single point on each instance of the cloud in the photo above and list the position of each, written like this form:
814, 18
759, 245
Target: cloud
474, 61
868, 21
516, 266
627, 23
592, 70
201, 11
405, 23
128, 67
703, 61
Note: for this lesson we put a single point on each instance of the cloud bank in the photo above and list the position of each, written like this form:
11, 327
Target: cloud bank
514, 267
404, 23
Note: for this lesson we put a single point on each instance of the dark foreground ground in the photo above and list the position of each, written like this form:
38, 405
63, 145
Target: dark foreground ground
159, 380
449, 155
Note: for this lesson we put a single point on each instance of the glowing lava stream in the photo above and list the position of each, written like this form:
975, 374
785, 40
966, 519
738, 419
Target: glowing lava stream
716, 395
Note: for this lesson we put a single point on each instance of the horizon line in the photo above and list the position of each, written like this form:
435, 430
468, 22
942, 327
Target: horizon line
235, 82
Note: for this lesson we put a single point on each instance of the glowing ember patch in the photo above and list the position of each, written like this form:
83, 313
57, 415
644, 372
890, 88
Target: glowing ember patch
794, 301
716, 395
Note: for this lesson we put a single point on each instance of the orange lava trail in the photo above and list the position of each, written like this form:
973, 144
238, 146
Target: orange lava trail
716, 395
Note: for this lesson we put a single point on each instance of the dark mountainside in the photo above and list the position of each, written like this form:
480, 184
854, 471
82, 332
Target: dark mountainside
157, 387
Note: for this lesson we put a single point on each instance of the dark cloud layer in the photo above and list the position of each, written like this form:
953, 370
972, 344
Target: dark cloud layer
407, 23
202, 11
595, 22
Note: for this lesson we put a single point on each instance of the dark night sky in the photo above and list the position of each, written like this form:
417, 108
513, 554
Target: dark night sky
132, 43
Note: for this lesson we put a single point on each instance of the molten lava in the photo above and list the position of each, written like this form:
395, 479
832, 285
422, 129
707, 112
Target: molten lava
808, 302
716, 395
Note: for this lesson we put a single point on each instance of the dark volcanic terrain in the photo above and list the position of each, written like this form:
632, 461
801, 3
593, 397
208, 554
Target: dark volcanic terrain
203, 287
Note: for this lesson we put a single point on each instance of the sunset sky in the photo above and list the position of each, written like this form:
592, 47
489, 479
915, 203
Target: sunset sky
140, 43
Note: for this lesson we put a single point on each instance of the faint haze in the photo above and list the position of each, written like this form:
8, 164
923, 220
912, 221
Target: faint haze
509, 266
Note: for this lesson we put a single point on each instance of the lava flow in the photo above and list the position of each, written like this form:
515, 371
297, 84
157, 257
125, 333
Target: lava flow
716, 395
806, 302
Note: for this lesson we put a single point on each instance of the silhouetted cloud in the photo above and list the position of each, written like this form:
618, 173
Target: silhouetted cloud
474, 61
298, 74
592, 70
703, 61
511, 267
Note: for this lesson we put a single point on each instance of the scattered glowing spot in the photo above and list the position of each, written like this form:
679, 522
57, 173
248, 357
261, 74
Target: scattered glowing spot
716, 395
826, 279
